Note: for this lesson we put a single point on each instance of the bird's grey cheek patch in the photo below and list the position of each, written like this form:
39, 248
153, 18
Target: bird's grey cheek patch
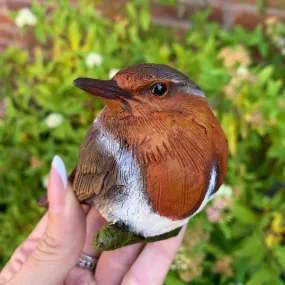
198, 92
193, 90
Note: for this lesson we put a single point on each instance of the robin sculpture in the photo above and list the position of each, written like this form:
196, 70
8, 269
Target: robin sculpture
153, 157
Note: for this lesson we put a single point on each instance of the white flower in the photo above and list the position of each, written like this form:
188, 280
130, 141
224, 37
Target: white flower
242, 71
26, 17
281, 42
225, 191
93, 58
113, 72
53, 120
45, 181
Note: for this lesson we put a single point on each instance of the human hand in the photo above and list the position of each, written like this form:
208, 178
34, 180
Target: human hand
50, 253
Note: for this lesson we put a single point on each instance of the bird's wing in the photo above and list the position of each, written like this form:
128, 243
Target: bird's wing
95, 169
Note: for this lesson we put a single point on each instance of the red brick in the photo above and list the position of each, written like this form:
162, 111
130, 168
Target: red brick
163, 11
6, 35
29, 41
3, 5
18, 4
248, 20
189, 9
12, 37
216, 15
4, 43
2, 110
275, 4
5, 19
278, 4
238, 1
110, 8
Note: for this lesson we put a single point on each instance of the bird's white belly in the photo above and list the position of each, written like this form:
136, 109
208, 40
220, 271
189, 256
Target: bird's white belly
132, 207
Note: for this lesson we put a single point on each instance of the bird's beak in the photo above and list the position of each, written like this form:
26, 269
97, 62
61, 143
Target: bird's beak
105, 89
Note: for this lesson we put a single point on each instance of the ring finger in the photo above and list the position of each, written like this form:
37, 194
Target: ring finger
80, 275
94, 222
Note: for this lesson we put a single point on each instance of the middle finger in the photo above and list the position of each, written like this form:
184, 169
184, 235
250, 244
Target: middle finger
113, 265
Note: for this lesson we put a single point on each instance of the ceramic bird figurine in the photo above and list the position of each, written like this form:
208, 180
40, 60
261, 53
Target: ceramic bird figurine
153, 157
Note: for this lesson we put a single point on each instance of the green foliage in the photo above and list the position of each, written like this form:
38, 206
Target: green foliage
243, 76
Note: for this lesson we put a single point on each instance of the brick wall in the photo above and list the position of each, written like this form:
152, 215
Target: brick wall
226, 12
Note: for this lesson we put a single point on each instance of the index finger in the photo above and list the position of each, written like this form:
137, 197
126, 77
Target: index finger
22, 253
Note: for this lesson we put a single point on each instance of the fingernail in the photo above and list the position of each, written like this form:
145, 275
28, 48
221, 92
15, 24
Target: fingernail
59, 165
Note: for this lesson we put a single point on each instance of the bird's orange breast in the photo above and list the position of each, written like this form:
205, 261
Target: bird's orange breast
176, 154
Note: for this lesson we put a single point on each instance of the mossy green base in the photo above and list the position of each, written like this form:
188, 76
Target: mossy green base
115, 236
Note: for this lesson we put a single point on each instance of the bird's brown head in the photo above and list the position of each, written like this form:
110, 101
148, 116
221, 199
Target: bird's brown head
143, 88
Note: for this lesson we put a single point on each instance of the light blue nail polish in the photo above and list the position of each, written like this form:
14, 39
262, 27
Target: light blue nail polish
59, 165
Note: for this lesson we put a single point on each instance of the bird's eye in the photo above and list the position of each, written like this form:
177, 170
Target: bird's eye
158, 89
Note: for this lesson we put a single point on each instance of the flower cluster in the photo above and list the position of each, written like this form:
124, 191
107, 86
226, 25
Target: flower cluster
25, 17
236, 60
273, 28
45, 181
275, 235
113, 72
189, 268
54, 120
188, 261
257, 119
93, 59
35, 162
222, 201
223, 266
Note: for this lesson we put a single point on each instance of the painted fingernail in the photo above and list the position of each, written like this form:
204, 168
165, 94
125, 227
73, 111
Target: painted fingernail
59, 165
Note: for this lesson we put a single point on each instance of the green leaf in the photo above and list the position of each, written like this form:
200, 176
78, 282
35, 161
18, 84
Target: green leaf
91, 36
265, 74
244, 214
262, 276
145, 19
252, 249
74, 35
40, 34
38, 9
131, 9
280, 255
173, 279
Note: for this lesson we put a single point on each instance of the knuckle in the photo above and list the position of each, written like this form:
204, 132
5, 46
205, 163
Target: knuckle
50, 242
83, 280
48, 248
132, 278
161, 250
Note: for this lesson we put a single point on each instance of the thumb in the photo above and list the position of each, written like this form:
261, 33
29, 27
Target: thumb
60, 246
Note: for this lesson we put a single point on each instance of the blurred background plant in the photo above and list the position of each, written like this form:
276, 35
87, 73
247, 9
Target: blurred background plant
240, 237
